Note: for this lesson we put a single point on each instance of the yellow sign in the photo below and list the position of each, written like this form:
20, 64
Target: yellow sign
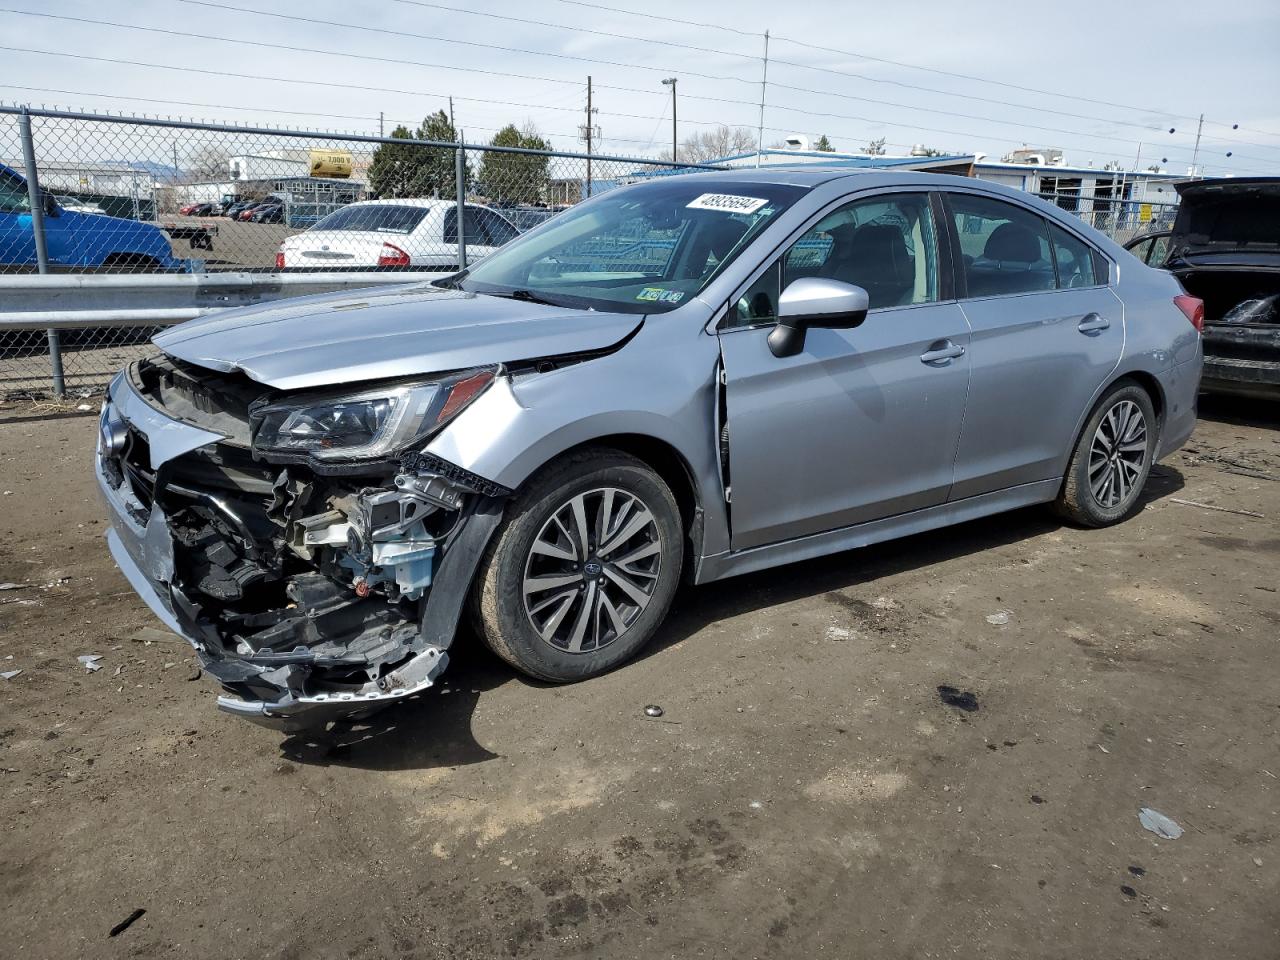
1144, 213
330, 163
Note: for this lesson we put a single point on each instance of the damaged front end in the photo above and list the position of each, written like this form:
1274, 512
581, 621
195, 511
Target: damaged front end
318, 569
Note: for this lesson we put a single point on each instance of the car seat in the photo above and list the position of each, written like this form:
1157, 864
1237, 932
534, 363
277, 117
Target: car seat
874, 257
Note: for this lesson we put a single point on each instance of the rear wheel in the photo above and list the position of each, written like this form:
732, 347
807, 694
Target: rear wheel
1112, 459
581, 573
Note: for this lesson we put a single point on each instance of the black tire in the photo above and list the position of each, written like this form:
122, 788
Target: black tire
502, 617
1079, 500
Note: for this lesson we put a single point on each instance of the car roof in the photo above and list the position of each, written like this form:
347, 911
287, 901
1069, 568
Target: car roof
427, 202
810, 175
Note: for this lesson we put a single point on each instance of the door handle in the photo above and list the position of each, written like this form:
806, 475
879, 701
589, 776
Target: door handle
941, 352
1092, 322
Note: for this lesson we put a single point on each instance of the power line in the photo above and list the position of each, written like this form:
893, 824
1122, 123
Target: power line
999, 83
342, 86
565, 26
259, 109
356, 26
753, 57
530, 106
900, 63
556, 80
665, 18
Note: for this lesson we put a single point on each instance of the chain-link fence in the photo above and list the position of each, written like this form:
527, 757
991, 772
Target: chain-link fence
1120, 219
96, 194
88, 193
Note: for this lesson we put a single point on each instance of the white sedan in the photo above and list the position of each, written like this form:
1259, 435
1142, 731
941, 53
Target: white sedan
395, 233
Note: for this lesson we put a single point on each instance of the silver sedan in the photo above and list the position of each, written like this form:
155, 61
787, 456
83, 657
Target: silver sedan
680, 380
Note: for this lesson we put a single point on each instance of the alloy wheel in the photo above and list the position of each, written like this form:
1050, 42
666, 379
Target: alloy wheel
592, 569
1118, 454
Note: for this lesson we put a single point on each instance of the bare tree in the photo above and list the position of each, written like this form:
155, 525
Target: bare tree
875, 148
714, 144
207, 163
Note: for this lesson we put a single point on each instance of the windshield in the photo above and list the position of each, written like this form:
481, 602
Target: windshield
644, 249
374, 217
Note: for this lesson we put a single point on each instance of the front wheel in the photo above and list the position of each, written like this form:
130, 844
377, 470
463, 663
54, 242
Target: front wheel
1112, 459
583, 569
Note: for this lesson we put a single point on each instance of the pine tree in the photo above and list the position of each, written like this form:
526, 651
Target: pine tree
514, 177
411, 170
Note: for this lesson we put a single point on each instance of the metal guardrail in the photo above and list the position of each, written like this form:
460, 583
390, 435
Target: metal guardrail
75, 301
85, 316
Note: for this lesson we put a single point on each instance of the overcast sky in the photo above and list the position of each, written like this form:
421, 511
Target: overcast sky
1161, 64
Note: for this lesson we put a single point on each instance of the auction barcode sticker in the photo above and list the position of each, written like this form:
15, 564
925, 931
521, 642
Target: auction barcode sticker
727, 203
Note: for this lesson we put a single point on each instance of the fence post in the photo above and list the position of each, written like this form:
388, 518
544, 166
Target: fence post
36, 198
459, 178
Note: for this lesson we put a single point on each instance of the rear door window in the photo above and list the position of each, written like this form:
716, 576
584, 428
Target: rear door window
482, 228
373, 217
1074, 259
1004, 248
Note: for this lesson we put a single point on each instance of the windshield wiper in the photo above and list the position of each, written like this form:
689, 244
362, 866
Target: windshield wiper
528, 296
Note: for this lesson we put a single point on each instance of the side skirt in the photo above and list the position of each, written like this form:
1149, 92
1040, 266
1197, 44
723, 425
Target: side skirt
890, 528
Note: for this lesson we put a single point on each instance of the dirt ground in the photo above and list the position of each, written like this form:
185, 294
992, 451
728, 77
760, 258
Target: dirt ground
805, 794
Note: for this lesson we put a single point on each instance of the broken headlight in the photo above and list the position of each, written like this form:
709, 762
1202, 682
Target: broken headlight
371, 424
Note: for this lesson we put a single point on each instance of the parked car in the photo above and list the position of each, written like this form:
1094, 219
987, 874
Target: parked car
268, 213
525, 218
234, 209
187, 209
76, 240
76, 205
688, 378
1225, 249
244, 210
395, 233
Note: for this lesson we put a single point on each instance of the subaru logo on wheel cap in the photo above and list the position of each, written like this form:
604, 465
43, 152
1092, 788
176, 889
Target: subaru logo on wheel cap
592, 568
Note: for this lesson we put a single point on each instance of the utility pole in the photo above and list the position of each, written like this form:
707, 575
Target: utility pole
1196, 152
381, 133
764, 81
589, 131
671, 82
451, 111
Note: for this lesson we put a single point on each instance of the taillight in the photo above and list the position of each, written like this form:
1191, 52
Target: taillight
279, 259
392, 256
1192, 308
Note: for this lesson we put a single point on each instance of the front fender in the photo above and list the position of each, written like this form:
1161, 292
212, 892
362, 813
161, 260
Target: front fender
522, 423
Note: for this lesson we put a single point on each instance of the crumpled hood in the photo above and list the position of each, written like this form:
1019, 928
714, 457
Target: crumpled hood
382, 332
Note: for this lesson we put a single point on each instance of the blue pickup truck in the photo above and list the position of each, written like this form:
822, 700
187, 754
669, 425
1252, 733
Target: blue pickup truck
77, 241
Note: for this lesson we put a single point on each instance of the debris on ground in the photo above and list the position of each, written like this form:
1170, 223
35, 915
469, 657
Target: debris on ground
653, 710
999, 618
953, 697
1128, 891
1159, 824
9, 674
126, 923
1137, 871
1210, 506
90, 661
12, 586
150, 635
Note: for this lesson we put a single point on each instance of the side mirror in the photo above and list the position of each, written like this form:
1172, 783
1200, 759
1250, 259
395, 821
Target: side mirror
815, 302
51, 208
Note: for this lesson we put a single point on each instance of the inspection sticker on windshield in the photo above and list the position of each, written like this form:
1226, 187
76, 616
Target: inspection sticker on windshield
659, 295
727, 203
